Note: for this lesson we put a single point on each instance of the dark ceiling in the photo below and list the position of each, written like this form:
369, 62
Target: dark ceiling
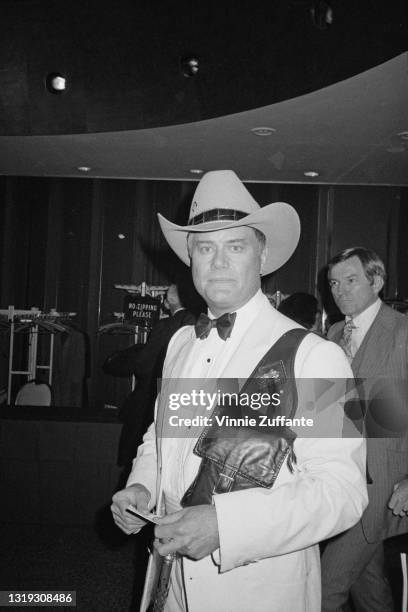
328, 78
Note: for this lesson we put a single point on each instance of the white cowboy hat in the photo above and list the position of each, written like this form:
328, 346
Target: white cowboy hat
221, 201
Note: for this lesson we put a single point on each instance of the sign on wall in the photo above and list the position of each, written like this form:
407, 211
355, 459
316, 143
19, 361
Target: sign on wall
141, 310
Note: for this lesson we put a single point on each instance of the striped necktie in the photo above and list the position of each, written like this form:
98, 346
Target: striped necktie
345, 340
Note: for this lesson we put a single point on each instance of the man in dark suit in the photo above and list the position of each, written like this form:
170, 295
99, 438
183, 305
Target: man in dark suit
145, 362
375, 339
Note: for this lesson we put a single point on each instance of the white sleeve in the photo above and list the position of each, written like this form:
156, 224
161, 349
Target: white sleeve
324, 496
144, 468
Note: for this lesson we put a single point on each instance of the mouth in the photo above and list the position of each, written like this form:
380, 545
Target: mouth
344, 303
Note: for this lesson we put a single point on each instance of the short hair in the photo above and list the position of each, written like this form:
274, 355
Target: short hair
301, 307
372, 264
172, 294
260, 236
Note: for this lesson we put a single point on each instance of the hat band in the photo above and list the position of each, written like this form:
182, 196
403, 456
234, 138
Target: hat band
217, 214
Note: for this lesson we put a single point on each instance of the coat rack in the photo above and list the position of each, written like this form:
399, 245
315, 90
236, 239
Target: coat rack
32, 321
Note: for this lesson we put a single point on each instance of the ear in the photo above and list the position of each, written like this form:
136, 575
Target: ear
263, 255
378, 283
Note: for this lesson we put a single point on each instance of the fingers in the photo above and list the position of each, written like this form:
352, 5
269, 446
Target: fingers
127, 526
175, 537
166, 525
164, 547
399, 499
398, 506
171, 518
170, 534
121, 500
125, 521
182, 546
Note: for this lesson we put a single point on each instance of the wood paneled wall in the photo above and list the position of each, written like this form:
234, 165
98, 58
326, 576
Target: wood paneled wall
61, 248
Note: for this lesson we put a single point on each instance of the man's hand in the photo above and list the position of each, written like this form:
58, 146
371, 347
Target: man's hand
192, 532
399, 499
137, 495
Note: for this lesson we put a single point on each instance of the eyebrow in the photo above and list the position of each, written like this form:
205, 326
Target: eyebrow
231, 241
331, 278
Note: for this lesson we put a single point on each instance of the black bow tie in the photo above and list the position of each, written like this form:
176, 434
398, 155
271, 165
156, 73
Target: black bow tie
224, 325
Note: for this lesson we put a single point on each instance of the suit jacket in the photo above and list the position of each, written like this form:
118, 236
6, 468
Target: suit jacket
145, 362
268, 537
381, 368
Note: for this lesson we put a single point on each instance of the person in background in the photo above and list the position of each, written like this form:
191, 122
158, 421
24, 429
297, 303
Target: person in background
145, 362
247, 548
374, 337
304, 309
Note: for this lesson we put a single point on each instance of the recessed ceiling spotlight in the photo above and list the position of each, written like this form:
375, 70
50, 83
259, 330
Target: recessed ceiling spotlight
263, 131
403, 135
322, 14
311, 174
189, 66
196, 171
55, 83
84, 168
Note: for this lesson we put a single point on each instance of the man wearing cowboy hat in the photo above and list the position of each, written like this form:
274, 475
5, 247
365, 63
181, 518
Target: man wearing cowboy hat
252, 548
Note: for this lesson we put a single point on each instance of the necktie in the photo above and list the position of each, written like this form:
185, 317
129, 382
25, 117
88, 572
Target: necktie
345, 340
224, 325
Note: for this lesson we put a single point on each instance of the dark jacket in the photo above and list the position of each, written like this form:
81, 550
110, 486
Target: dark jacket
145, 362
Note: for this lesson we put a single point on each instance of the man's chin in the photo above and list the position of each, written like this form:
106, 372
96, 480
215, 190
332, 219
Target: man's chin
347, 312
220, 299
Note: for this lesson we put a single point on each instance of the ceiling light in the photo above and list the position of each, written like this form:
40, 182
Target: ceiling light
84, 168
196, 171
263, 131
322, 14
189, 66
121, 236
311, 174
55, 83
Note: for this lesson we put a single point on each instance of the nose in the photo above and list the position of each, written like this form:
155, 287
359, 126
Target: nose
340, 289
336, 289
220, 259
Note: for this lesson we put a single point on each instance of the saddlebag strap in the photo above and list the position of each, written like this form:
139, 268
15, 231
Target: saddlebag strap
251, 453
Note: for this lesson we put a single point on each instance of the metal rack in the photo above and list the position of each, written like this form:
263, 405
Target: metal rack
32, 321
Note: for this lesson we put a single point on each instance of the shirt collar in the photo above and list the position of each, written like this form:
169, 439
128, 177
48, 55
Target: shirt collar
365, 318
178, 310
247, 313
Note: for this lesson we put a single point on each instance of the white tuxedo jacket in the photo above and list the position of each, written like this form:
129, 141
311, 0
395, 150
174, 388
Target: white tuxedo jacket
269, 556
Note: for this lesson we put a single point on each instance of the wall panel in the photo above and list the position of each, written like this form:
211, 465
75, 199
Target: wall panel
61, 247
